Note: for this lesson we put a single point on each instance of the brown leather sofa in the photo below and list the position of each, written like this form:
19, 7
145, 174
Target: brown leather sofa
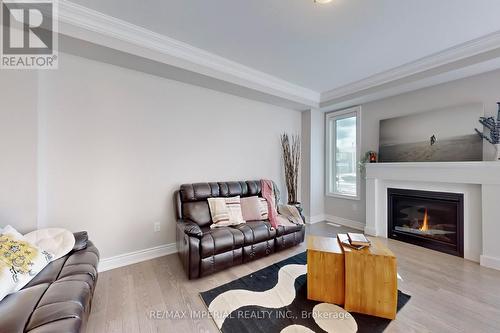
58, 299
203, 250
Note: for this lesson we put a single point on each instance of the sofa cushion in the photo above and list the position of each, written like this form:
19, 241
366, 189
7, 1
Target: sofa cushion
219, 240
254, 187
198, 212
192, 201
16, 309
232, 189
198, 191
256, 231
62, 300
49, 274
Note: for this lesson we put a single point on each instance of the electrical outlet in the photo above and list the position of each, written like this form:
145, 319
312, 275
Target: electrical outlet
157, 227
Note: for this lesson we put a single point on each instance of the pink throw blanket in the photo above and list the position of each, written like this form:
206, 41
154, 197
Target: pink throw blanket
268, 194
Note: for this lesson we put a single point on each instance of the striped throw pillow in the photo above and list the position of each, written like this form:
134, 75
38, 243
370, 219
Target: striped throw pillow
225, 211
263, 209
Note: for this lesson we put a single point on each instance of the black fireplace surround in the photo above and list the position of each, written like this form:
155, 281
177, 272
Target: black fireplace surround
434, 220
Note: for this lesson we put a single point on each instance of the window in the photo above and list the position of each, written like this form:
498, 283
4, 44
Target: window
342, 153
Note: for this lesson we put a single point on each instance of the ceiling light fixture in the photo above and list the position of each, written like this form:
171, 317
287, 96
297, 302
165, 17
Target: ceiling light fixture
322, 1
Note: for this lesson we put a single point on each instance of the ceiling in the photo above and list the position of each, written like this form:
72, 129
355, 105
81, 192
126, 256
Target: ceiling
320, 47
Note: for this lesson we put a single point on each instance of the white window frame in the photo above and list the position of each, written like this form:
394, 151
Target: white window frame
331, 151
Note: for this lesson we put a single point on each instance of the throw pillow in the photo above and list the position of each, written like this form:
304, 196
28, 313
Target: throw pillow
225, 211
264, 209
20, 261
57, 241
251, 208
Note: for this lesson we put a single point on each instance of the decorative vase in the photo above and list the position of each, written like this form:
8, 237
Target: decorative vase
497, 155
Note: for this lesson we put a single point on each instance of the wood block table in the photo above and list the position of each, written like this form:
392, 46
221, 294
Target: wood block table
325, 270
371, 285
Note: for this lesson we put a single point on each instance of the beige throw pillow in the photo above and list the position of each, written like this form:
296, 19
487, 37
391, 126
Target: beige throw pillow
251, 208
264, 213
254, 208
57, 241
225, 211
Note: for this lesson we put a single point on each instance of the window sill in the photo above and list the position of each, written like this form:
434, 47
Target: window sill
343, 196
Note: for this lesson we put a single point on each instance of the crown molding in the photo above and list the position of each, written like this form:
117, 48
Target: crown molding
467, 59
76, 21
431, 64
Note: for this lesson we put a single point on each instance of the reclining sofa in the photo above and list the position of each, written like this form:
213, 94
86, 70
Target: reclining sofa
59, 298
203, 250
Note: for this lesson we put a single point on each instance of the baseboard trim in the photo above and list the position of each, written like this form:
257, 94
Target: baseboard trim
315, 219
490, 262
370, 231
345, 222
136, 256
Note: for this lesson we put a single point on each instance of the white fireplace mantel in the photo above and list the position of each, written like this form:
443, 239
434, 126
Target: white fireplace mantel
479, 181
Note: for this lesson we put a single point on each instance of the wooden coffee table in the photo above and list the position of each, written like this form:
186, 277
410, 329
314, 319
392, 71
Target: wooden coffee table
325, 270
371, 281
365, 281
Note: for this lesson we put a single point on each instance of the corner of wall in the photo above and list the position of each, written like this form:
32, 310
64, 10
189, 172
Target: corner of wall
313, 164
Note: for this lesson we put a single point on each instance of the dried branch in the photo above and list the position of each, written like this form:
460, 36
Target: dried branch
291, 162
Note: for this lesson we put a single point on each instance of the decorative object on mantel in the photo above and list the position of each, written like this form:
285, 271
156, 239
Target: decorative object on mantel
443, 135
290, 146
494, 127
369, 157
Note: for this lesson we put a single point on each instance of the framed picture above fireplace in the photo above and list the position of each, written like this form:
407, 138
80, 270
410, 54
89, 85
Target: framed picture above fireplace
443, 135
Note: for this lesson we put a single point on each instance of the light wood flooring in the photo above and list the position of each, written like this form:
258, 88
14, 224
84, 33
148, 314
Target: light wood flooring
449, 294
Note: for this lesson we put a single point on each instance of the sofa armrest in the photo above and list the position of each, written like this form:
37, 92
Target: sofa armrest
190, 228
188, 237
81, 240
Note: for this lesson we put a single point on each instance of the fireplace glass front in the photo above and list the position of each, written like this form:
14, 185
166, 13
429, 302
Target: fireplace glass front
430, 219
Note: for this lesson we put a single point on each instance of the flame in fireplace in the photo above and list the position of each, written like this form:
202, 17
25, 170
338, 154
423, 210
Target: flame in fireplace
425, 225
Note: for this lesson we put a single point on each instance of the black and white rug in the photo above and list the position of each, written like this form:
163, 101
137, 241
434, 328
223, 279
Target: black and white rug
274, 299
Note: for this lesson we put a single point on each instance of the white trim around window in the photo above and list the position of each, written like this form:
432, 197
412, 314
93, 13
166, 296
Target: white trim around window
333, 184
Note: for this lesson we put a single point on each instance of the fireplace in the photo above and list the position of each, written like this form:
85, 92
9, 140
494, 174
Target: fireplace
430, 219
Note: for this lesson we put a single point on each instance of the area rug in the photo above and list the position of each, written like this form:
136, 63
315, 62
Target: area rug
274, 299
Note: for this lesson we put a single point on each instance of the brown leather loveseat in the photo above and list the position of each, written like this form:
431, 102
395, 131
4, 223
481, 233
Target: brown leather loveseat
204, 251
58, 299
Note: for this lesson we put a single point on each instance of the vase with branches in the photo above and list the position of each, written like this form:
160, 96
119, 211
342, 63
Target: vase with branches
493, 126
290, 146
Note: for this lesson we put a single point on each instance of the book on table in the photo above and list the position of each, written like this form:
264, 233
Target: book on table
344, 240
358, 239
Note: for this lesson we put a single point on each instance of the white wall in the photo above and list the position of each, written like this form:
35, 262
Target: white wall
18, 149
317, 158
482, 88
313, 152
114, 144
119, 142
306, 164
